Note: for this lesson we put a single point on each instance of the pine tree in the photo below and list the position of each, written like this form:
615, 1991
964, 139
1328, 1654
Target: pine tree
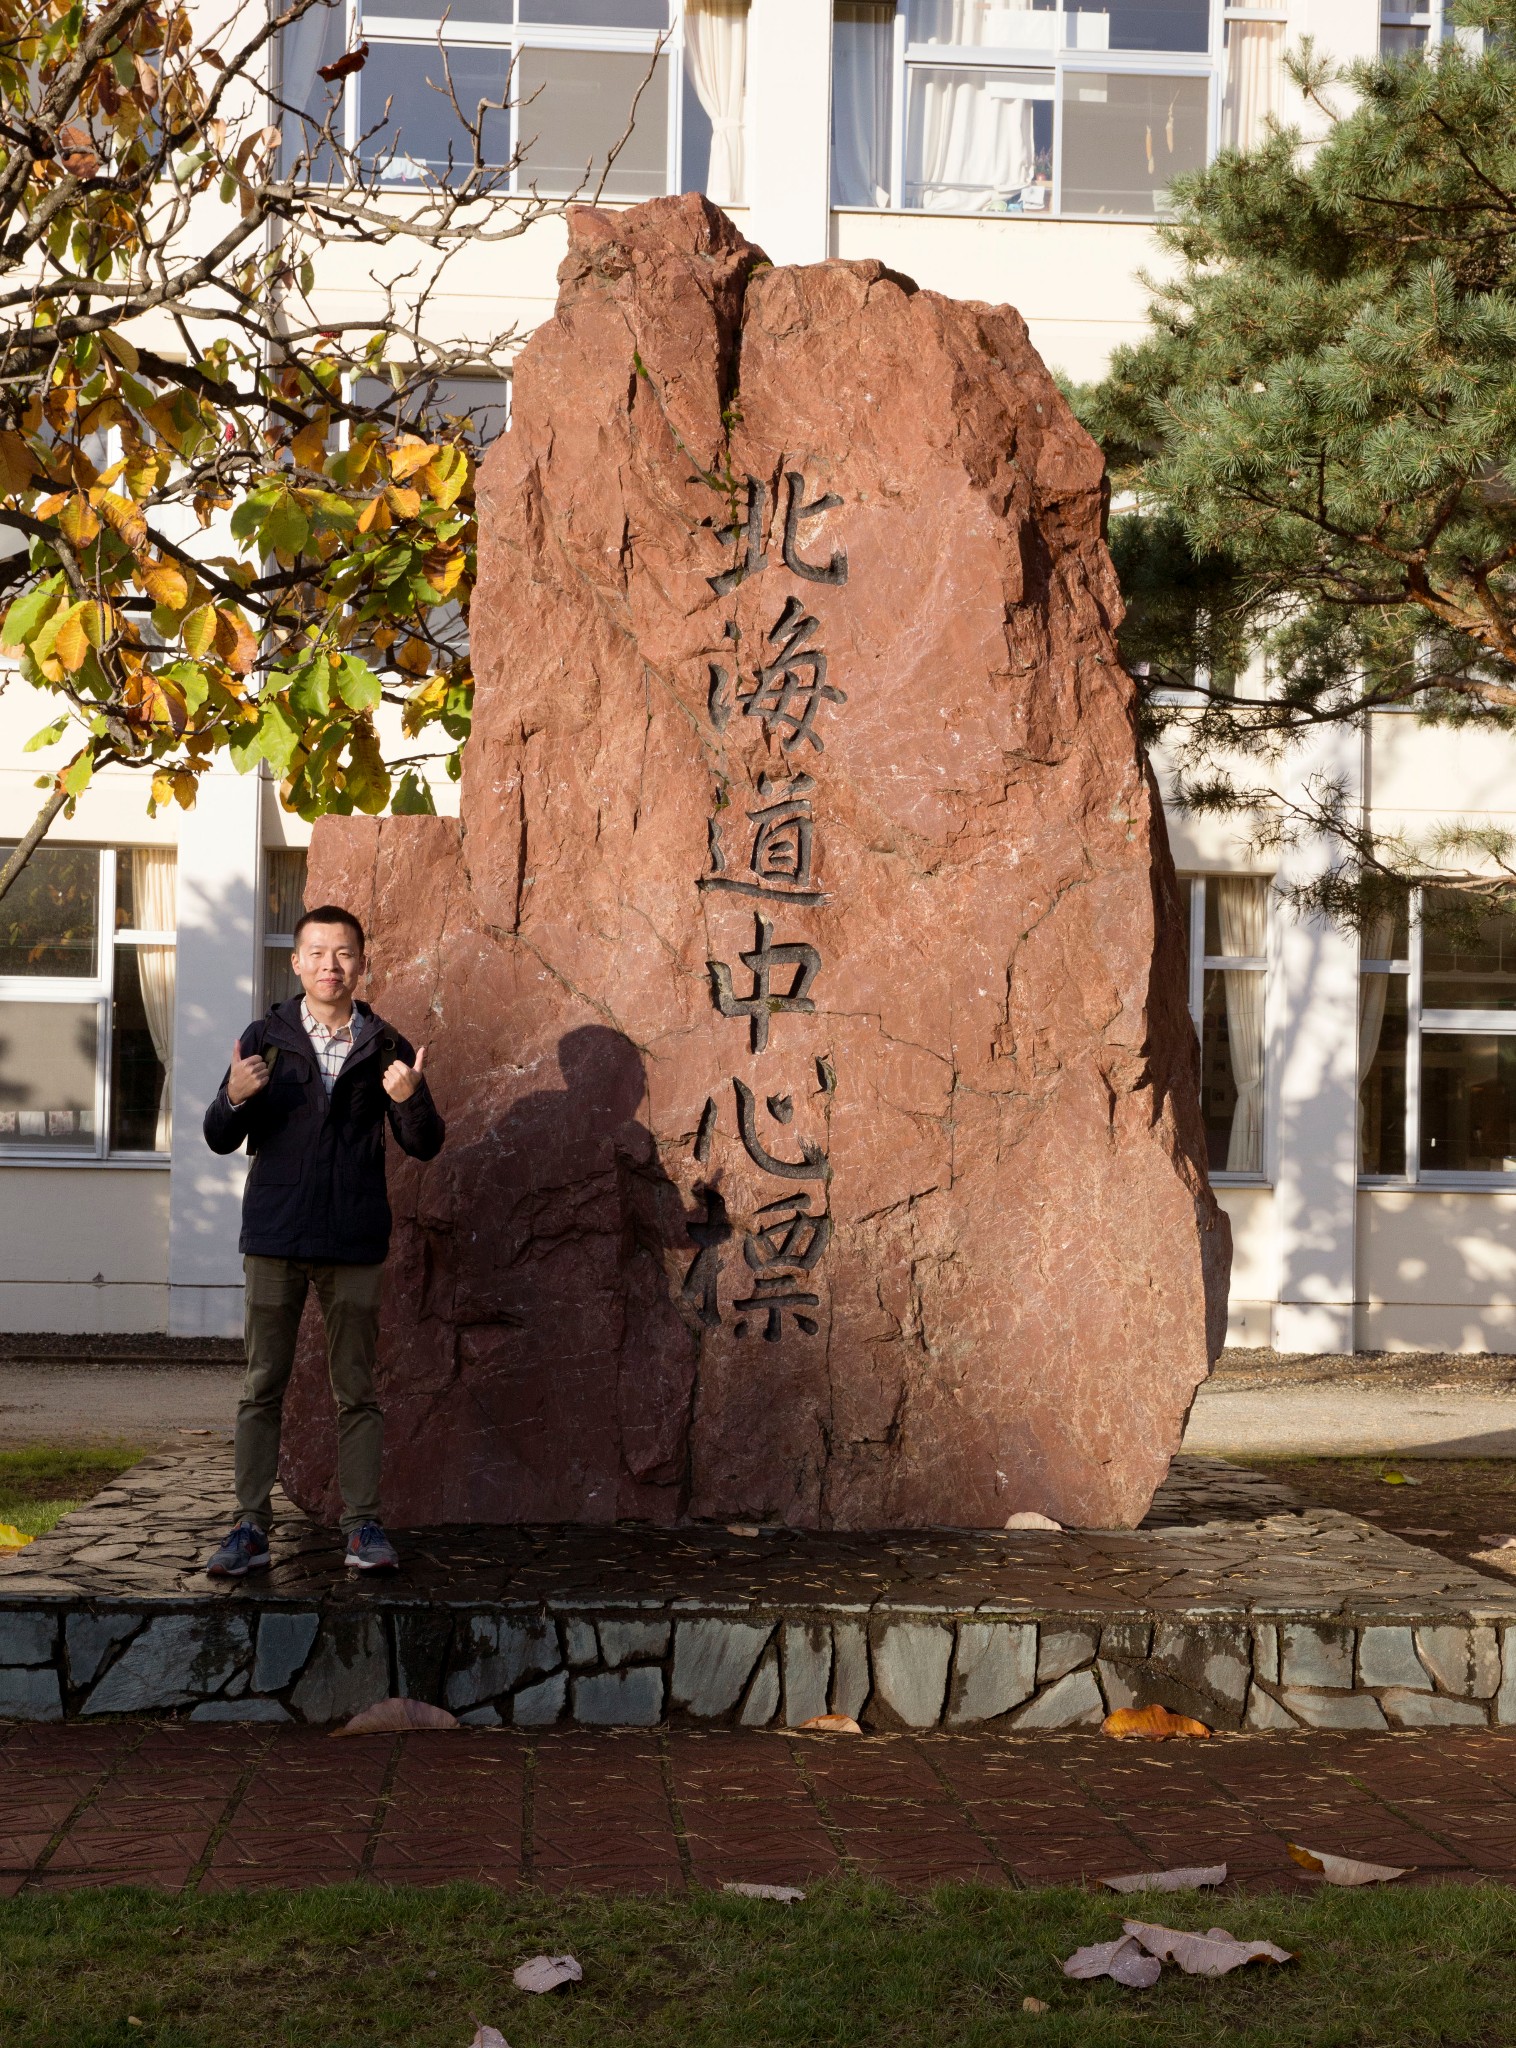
1314, 450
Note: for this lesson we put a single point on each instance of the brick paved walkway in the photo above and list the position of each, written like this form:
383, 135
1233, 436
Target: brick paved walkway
214, 1809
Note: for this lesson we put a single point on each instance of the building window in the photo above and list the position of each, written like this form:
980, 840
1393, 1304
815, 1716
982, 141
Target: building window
283, 903
968, 106
557, 79
87, 986
1227, 957
1437, 1042
1405, 31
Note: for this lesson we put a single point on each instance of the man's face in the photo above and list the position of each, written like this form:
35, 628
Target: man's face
329, 962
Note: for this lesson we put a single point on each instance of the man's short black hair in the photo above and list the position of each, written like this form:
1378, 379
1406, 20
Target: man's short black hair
330, 913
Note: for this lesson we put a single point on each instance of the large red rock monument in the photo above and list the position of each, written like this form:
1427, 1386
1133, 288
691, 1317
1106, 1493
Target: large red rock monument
803, 984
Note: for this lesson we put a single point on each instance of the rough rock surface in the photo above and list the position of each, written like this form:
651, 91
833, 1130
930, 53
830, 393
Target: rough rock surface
803, 985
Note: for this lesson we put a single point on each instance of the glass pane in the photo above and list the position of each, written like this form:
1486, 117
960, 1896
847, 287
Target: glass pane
485, 402
1465, 965
1140, 25
495, 13
317, 38
48, 1053
139, 1077
862, 46
1468, 1090
599, 13
1381, 1066
1236, 917
421, 134
146, 889
284, 881
978, 141
1402, 42
1386, 933
49, 915
1231, 1070
279, 978
983, 24
1126, 137
574, 106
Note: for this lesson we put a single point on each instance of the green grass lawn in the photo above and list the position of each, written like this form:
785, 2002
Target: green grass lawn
853, 1967
41, 1484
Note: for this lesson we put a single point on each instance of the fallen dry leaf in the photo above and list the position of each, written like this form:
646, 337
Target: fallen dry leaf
1428, 1532
1157, 1724
1211, 1954
546, 1973
397, 1717
1343, 1869
743, 1529
1187, 1879
1393, 1478
1029, 1518
489, 2037
1122, 1959
1496, 1542
831, 1724
1035, 2005
11, 1537
788, 1892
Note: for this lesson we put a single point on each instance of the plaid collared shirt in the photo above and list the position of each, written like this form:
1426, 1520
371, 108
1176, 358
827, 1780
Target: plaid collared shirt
331, 1047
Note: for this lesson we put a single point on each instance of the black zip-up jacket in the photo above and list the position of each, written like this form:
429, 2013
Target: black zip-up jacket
316, 1189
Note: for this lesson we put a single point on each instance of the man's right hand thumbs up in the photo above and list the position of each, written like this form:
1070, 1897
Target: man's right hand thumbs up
247, 1076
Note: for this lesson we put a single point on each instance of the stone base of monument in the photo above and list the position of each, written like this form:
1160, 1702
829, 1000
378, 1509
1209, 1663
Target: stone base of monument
1231, 1602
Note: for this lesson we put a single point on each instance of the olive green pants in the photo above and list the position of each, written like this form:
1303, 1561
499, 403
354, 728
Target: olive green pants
274, 1299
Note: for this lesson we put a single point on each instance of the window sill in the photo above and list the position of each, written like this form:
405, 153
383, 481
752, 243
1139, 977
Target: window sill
1240, 1180
1440, 1184
1039, 217
139, 1162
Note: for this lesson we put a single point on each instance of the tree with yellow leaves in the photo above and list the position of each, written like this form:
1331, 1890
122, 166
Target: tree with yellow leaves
235, 526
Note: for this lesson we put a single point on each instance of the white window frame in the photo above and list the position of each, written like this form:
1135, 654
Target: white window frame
1059, 63
1200, 965
1443, 1024
268, 941
99, 989
371, 22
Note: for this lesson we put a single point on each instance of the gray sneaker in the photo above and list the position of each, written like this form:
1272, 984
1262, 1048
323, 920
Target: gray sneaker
370, 1550
245, 1550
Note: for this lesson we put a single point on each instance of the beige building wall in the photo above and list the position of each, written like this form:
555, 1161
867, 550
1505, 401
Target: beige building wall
84, 1249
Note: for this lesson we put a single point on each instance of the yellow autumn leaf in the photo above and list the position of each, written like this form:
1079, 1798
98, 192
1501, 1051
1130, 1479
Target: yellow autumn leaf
414, 658
163, 787
16, 465
236, 642
71, 642
309, 446
374, 517
402, 501
121, 515
409, 457
78, 520
11, 1537
198, 629
164, 584
442, 569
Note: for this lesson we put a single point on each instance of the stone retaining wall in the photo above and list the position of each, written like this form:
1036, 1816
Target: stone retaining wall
218, 1661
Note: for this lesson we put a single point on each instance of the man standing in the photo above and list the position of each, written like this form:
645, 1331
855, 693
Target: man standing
309, 1090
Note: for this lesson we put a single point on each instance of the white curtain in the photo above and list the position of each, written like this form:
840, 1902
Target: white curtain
1373, 994
155, 901
972, 150
862, 51
1254, 81
715, 54
1242, 904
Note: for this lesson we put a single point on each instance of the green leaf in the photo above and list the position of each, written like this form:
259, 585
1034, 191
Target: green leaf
278, 737
191, 679
310, 688
75, 777
413, 799
28, 614
286, 528
357, 685
48, 737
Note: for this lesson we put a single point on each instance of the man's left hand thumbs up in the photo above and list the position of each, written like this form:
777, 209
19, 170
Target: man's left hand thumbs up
401, 1081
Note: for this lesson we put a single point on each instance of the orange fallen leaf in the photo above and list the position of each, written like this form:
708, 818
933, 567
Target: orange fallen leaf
397, 1717
1346, 1870
1155, 1723
831, 1724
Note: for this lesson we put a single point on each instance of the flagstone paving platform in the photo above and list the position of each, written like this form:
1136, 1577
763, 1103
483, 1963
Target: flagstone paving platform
218, 1809
1232, 1603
